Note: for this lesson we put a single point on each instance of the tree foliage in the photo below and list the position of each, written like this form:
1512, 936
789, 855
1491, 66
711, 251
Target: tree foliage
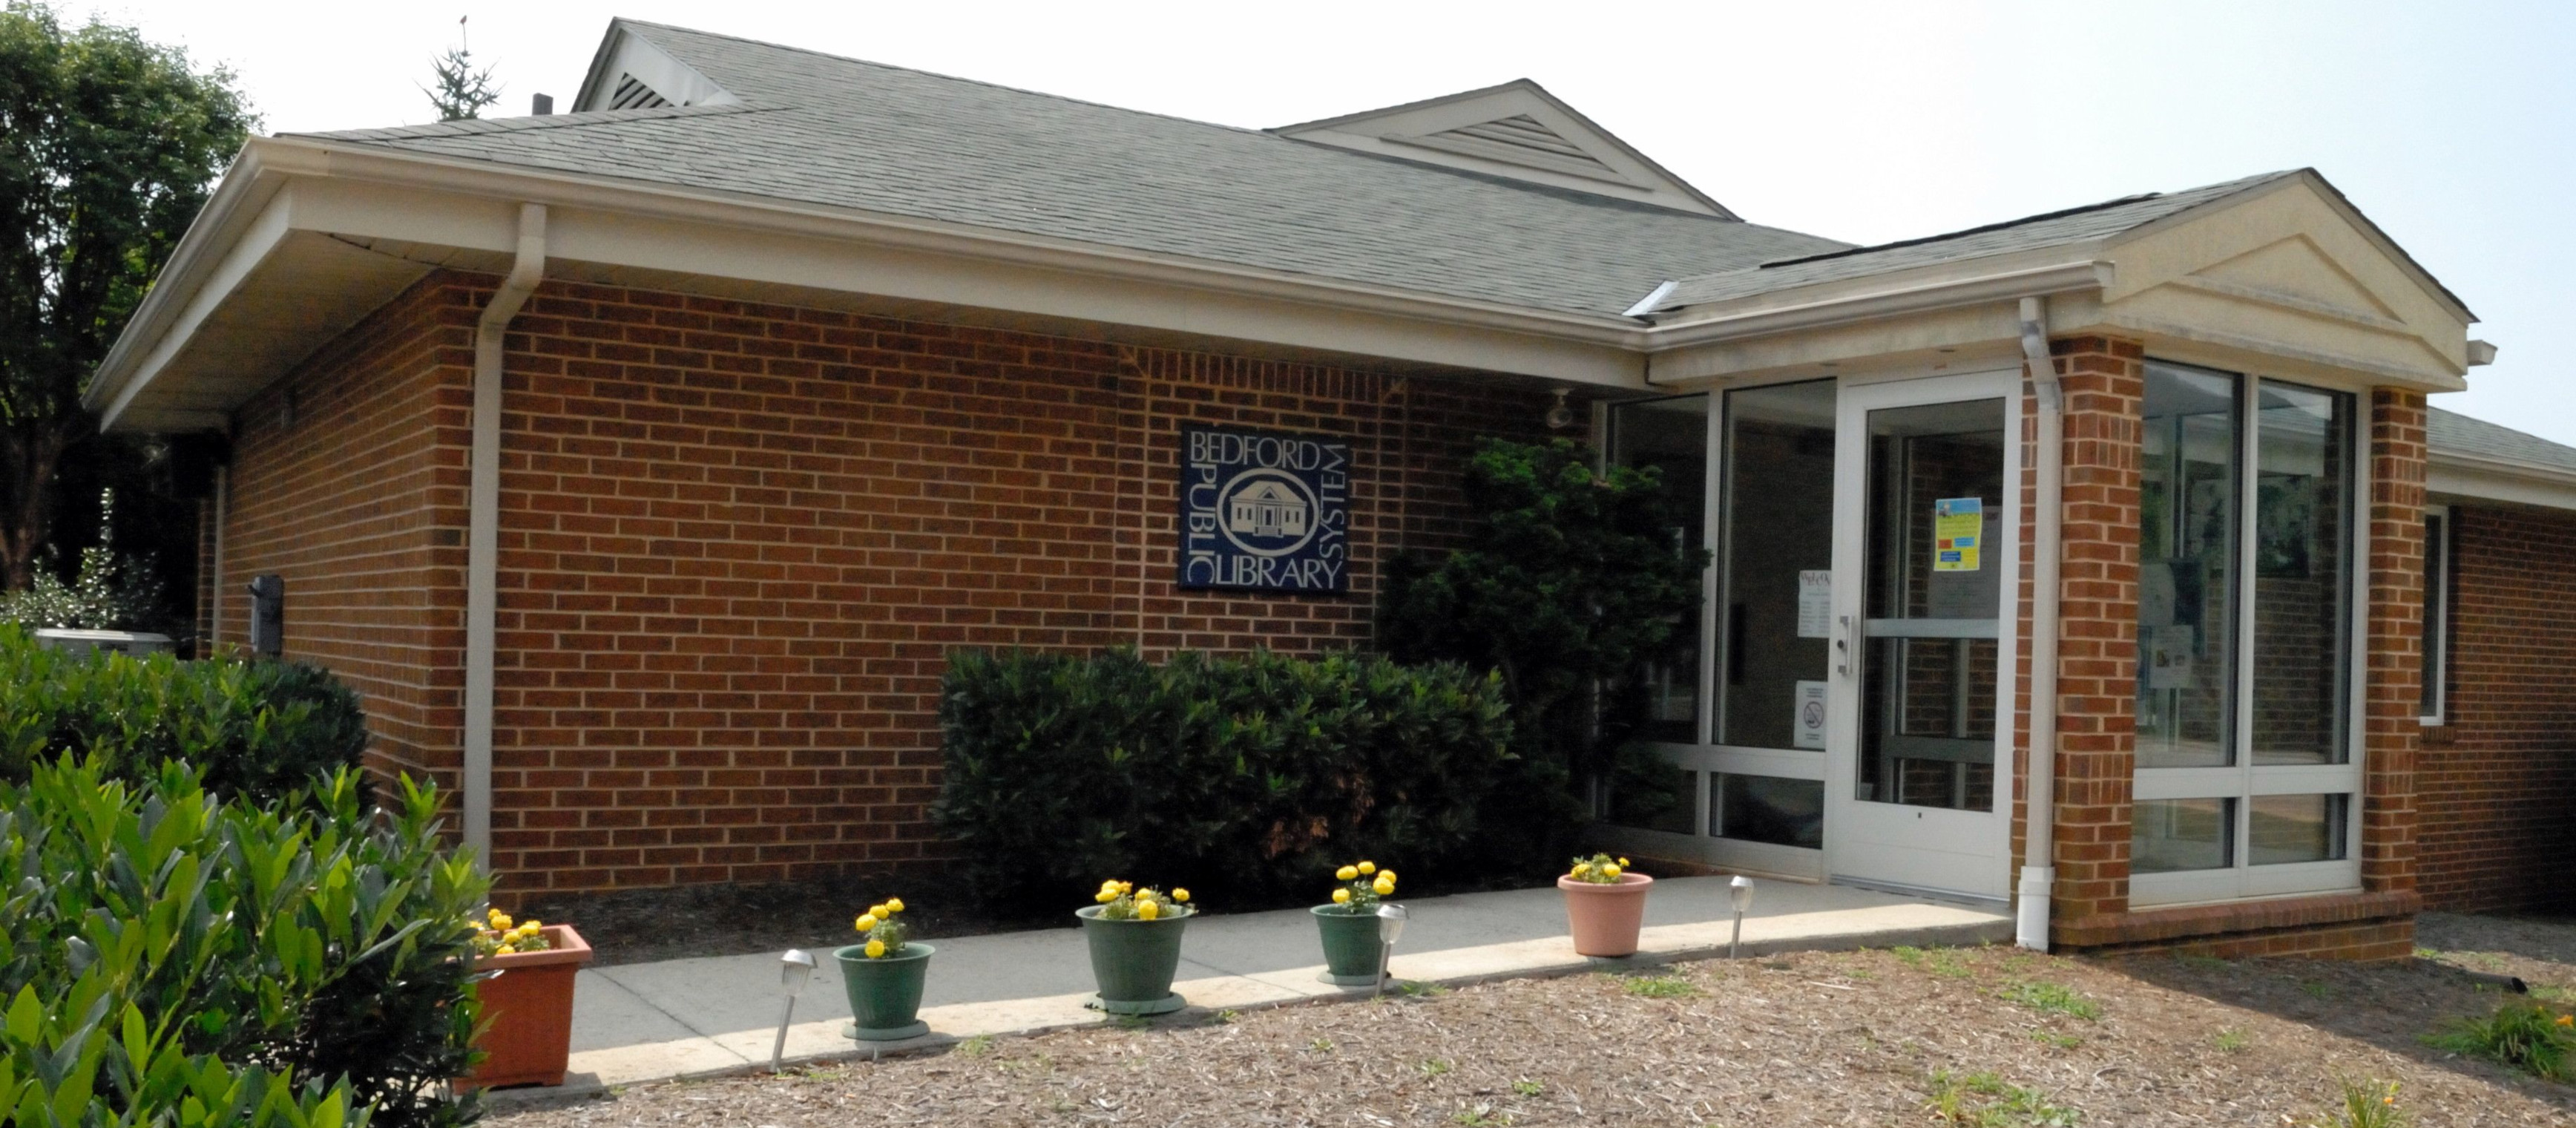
108, 145
459, 91
1570, 584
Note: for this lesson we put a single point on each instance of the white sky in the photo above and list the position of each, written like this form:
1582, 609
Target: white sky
2453, 125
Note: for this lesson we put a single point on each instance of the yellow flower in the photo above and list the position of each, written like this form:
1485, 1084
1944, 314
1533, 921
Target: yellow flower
1387, 874
875, 949
505, 950
1367, 868
1382, 887
500, 920
1126, 887
880, 911
1181, 896
2567, 1020
865, 922
894, 904
1623, 863
1346, 873
1148, 909
1341, 896
1105, 896
1609, 871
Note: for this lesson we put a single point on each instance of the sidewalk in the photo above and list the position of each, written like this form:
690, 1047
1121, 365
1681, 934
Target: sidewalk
681, 1018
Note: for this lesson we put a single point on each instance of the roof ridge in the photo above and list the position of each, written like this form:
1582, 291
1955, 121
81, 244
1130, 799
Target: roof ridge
2042, 217
478, 127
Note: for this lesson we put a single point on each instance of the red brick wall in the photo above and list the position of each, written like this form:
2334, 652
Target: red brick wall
2392, 656
348, 481
2497, 784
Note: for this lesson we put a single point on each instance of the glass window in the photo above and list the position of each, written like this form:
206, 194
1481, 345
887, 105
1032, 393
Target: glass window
1783, 812
2173, 835
2304, 450
1672, 436
2296, 828
2437, 617
1779, 543
2187, 499
1656, 798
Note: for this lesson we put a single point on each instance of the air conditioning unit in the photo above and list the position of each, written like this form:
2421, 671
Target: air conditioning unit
137, 643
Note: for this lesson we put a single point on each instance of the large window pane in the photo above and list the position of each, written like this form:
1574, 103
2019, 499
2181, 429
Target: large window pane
2173, 835
1672, 436
2296, 828
1783, 812
1655, 798
1779, 484
2437, 617
2303, 440
2187, 508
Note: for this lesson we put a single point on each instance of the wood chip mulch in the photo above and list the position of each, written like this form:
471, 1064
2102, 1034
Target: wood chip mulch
1805, 1039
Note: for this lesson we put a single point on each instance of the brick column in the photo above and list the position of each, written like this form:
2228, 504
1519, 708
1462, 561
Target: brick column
2392, 640
2105, 383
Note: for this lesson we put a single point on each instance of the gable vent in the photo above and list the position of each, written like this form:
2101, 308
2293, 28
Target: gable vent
632, 94
1519, 139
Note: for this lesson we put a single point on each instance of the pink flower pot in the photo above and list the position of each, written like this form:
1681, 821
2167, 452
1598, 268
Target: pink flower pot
1604, 919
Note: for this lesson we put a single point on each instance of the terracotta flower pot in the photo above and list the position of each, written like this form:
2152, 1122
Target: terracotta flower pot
1605, 918
527, 1012
1350, 945
885, 994
1133, 961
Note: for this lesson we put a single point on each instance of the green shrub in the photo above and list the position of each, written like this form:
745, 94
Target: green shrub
177, 958
2526, 1036
260, 729
1244, 779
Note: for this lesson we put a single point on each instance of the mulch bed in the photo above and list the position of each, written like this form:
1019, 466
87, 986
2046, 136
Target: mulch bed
1804, 1039
646, 925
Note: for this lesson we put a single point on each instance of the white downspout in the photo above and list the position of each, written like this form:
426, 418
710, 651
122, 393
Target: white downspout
2039, 856
483, 523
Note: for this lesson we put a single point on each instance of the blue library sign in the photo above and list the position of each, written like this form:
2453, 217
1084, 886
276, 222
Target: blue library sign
1265, 511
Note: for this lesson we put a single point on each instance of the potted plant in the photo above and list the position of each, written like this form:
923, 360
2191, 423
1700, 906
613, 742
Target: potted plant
1135, 938
1605, 905
883, 976
526, 972
1349, 924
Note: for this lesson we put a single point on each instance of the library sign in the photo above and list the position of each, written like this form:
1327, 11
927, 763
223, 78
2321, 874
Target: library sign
1265, 511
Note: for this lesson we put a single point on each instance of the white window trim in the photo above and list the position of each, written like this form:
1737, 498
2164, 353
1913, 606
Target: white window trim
2242, 879
2437, 616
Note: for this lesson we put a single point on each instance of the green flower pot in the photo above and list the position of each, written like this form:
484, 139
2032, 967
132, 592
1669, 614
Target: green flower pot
885, 995
1133, 961
1350, 946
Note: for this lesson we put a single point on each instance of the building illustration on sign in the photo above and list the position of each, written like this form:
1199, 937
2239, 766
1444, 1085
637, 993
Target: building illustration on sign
1264, 511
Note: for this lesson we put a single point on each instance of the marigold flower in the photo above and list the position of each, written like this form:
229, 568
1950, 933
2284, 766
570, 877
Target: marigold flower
500, 920
865, 922
1105, 896
1148, 909
1341, 896
1346, 873
1367, 868
505, 950
1382, 887
1623, 863
894, 904
1610, 871
1181, 896
875, 949
1387, 874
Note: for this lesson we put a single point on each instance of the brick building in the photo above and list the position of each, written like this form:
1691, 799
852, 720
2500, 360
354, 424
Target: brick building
642, 464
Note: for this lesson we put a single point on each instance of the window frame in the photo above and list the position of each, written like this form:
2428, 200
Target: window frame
2243, 779
2441, 537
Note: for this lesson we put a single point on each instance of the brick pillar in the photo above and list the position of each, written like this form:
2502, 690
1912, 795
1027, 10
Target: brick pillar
2393, 639
2105, 383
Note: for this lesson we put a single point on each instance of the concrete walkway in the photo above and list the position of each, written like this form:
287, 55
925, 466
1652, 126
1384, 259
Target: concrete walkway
696, 1017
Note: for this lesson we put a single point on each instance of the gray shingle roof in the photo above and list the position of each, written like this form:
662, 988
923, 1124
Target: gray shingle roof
827, 130
2449, 432
2075, 225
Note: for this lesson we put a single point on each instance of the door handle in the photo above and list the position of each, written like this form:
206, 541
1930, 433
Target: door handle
1847, 647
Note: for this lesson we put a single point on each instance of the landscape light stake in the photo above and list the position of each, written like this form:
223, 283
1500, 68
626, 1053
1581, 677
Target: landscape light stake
1740, 891
794, 968
1390, 924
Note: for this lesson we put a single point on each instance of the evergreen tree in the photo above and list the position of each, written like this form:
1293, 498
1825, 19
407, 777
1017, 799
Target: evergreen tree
461, 91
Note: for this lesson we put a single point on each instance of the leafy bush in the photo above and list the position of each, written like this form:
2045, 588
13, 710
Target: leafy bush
1571, 585
109, 592
2525, 1036
1238, 777
259, 729
178, 958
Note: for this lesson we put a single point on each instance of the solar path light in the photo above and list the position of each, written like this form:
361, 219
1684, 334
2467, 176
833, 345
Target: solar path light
1739, 891
794, 968
1390, 924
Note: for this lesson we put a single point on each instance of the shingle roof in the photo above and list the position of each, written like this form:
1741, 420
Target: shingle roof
2074, 225
823, 129
2449, 432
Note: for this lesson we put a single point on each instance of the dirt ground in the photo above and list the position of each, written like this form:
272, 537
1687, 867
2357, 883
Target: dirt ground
1872, 1038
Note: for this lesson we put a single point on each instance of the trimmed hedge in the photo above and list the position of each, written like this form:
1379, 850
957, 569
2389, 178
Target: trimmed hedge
259, 729
178, 958
1239, 778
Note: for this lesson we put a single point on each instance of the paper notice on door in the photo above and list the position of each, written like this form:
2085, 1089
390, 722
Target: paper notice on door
2166, 653
1811, 715
1958, 533
1815, 603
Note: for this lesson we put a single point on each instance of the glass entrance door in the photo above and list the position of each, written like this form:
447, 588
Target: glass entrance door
1926, 575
